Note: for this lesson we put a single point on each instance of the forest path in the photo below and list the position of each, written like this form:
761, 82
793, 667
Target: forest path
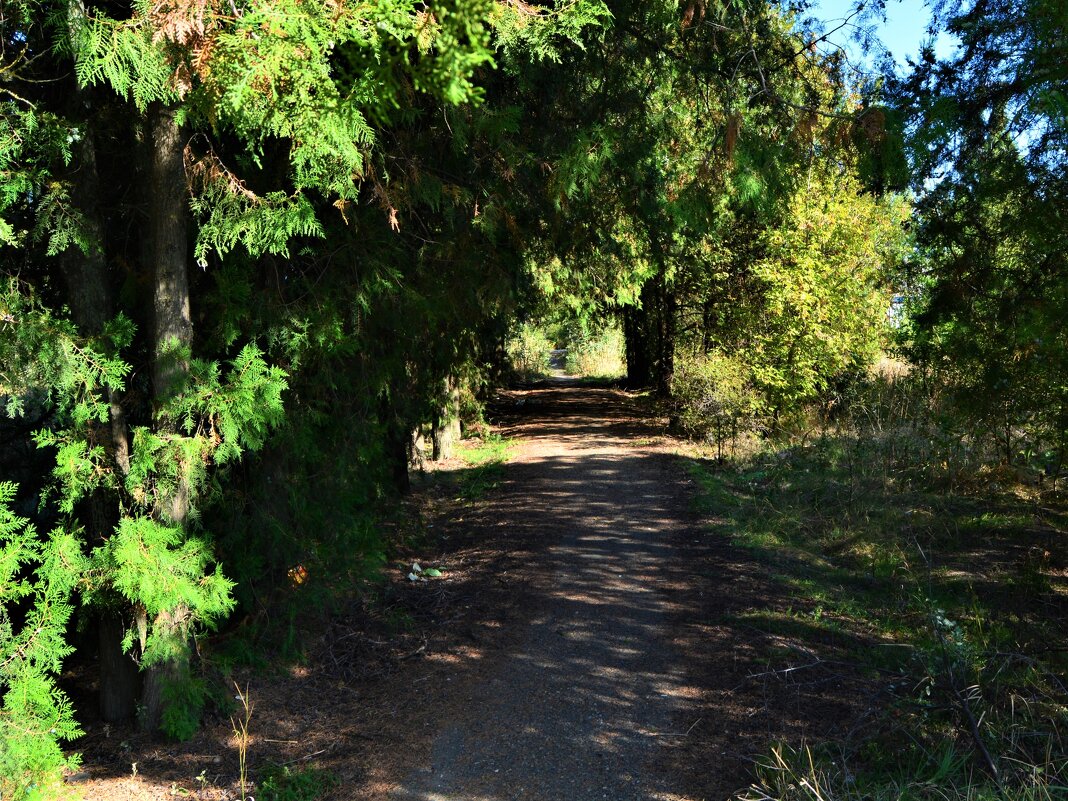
580, 704
591, 639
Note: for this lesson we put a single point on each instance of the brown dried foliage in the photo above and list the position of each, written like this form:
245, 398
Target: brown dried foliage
805, 126
693, 14
523, 8
183, 22
206, 169
189, 24
871, 123
734, 126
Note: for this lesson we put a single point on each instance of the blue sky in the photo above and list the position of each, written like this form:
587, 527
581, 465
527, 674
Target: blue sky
904, 29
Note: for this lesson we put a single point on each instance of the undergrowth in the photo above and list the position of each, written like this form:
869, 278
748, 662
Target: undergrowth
282, 783
528, 350
596, 354
485, 459
950, 595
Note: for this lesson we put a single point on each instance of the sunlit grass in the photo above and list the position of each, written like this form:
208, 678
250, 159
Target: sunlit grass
485, 459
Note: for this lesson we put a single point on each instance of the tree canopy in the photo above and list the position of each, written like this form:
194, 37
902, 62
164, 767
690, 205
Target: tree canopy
251, 246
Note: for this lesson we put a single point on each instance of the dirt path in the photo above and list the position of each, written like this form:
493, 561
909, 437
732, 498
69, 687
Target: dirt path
588, 642
578, 708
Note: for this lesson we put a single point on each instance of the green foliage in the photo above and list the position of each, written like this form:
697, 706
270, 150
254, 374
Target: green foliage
161, 570
594, 351
186, 697
42, 352
164, 573
374, 207
38, 578
895, 579
528, 351
987, 288
282, 783
126, 57
234, 414
824, 278
714, 398
265, 224
32, 144
789, 307
526, 32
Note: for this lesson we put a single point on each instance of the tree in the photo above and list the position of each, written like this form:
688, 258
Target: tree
988, 143
232, 204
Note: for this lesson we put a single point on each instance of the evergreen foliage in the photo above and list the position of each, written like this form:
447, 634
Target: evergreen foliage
220, 394
988, 145
38, 579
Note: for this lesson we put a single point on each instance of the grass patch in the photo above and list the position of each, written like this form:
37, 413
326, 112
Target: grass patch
282, 783
485, 459
956, 603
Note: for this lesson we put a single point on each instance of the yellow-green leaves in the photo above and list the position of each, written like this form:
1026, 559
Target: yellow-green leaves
38, 574
162, 570
825, 285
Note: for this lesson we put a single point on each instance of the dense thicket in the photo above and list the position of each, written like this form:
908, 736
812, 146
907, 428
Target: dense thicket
215, 214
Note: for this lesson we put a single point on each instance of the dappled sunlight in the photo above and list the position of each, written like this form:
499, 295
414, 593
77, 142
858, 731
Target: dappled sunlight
594, 685
577, 646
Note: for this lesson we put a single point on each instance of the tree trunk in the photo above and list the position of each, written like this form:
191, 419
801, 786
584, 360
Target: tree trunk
639, 361
89, 292
173, 327
665, 365
396, 442
447, 421
708, 312
172, 337
649, 331
119, 678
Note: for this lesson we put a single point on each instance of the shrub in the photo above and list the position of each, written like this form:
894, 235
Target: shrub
596, 354
713, 399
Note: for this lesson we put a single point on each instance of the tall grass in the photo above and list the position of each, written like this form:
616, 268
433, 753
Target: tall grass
528, 350
891, 521
596, 355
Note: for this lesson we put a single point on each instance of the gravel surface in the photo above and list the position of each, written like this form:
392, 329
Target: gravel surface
578, 708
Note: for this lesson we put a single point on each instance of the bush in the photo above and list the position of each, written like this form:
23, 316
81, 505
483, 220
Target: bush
596, 354
281, 783
713, 399
868, 522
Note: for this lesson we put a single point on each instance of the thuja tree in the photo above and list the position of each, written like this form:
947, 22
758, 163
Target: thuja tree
716, 189
161, 163
411, 296
988, 132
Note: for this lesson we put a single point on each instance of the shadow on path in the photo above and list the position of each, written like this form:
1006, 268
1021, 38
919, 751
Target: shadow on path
576, 709
592, 639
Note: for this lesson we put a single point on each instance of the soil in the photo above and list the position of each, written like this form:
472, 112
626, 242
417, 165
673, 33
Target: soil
586, 640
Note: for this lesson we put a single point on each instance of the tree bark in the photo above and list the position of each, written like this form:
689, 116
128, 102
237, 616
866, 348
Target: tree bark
172, 338
639, 361
89, 292
119, 677
649, 332
447, 421
173, 326
396, 442
668, 323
